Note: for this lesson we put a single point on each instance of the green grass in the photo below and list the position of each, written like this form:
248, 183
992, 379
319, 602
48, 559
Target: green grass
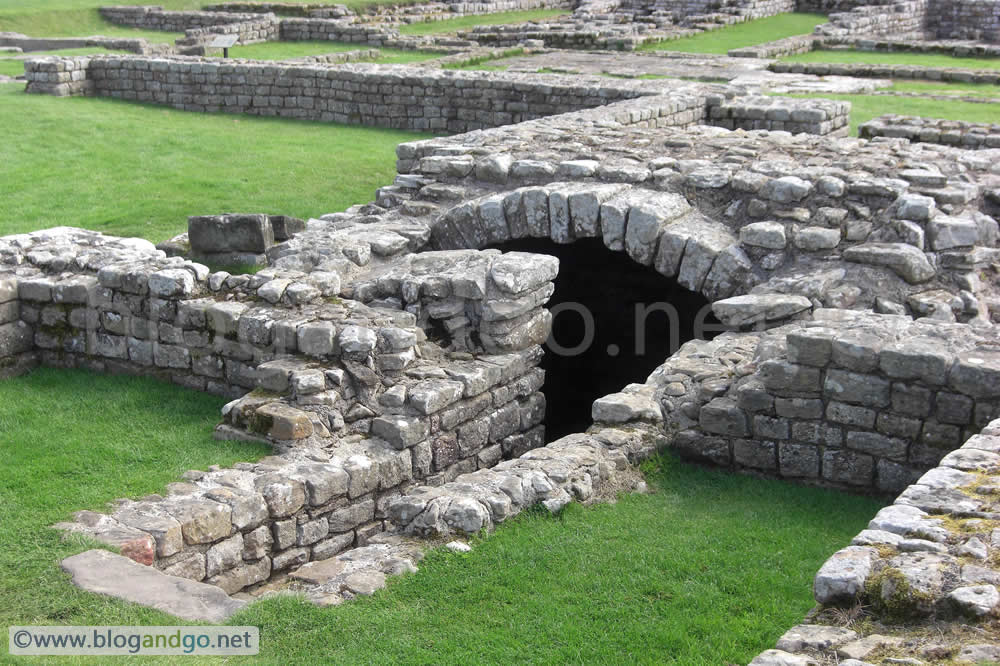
469, 22
742, 35
73, 440
164, 165
710, 569
866, 107
284, 50
76, 20
876, 58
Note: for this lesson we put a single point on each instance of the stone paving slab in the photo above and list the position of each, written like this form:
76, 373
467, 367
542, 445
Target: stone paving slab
104, 572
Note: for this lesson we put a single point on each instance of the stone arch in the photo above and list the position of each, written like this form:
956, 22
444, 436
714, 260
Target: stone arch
660, 230
613, 323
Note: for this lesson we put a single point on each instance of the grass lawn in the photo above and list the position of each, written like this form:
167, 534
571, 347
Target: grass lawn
876, 58
137, 170
68, 18
73, 440
284, 50
469, 22
742, 35
866, 107
709, 569
77, 18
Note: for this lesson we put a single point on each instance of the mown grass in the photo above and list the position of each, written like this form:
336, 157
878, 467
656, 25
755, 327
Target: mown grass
742, 35
138, 170
284, 50
73, 440
38, 19
896, 58
946, 88
866, 107
709, 569
74, 18
469, 22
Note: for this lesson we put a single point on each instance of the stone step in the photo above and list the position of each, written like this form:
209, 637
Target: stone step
104, 572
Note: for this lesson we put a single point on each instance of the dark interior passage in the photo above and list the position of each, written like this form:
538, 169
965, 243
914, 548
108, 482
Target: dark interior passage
614, 322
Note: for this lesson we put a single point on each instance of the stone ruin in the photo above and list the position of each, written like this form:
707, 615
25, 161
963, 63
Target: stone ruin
393, 354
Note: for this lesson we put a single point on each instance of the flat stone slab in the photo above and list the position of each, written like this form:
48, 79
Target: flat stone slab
104, 572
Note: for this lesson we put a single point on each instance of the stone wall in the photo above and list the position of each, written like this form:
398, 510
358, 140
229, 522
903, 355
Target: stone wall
386, 96
156, 18
28, 44
900, 18
854, 400
973, 136
965, 19
310, 29
312, 369
930, 556
776, 49
765, 113
959, 49
263, 29
936, 19
990, 76
829, 6
416, 98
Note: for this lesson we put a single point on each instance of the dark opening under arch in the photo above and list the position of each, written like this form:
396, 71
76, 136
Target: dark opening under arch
638, 318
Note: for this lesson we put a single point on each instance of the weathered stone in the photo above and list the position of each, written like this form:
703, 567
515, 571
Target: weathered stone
910, 263
841, 579
103, 572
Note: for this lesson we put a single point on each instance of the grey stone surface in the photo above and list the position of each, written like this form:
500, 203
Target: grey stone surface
102, 572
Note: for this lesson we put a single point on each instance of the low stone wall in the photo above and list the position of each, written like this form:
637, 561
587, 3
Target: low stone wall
767, 113
829, 6
855, 400
156, 18
888, 71
310, 29
929, 556
900, 18
28, 44
417, 98
320, 368
959, 49
776, 49
282, 9
937, 19
386, 96
575, 34
248, 32
973, 136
